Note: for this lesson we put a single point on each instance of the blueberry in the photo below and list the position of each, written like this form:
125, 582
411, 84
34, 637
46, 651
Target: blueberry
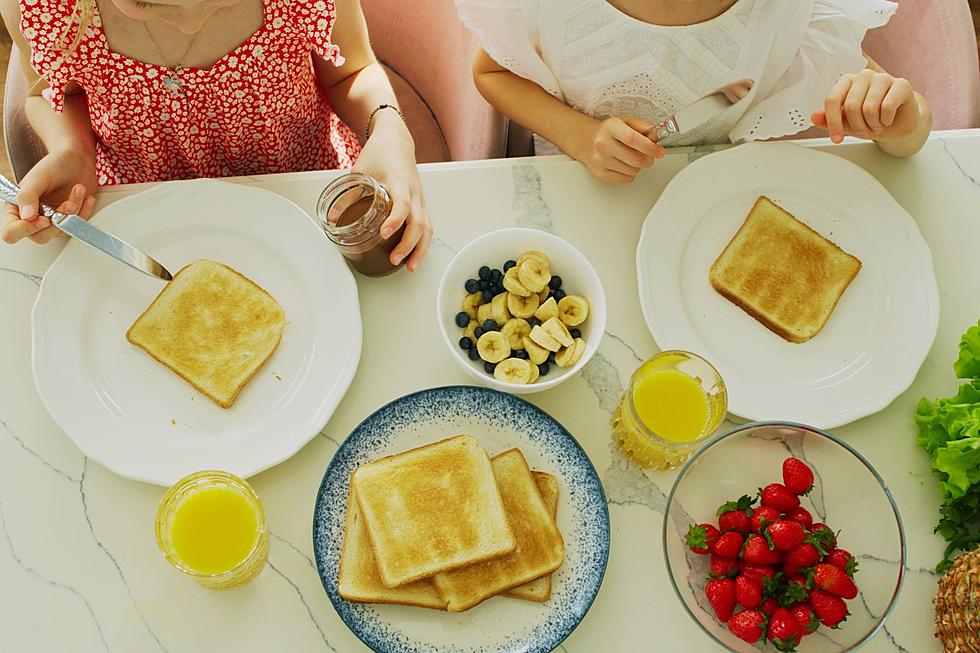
473, 354
489, 325
472, 285
484, 273
496, 276
543, 369
558, 295
576, 333
465, 343
484, 284
510, 264
520, 353
478, 332
489, 367
551, 358
533, 321
462, 319
487, 296
497, 289
555, 283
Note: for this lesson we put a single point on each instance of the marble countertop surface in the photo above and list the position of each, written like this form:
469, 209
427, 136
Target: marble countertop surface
79, 567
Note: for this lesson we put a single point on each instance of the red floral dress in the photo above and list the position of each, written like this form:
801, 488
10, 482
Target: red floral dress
257, 110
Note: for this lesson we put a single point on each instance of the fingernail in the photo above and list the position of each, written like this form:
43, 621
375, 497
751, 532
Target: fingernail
78, 192
69, 207
386, 233
28, 212
43, 223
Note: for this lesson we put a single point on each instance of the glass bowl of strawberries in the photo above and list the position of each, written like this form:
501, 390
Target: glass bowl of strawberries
782, 537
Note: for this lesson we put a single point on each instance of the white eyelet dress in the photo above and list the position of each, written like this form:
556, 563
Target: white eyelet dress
603, 62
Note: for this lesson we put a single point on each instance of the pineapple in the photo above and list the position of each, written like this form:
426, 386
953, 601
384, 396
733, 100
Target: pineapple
958, 606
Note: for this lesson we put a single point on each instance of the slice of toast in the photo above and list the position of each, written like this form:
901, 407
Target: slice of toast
359, 579
539, 589
783, 273
431, 509
540, 549
212, 327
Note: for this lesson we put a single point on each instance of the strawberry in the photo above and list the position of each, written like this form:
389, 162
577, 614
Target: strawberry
823, 538
797, 477
769, 606
729, 545
784, 535
830, 610
723, 567
700, 538
777, 496
756, 572
784, 632
721, 596
831, 579
748, 592
757, 551
843, 561
805, 617
802, 517
799, 557
735, 515
748, 625
794, 591
762, 516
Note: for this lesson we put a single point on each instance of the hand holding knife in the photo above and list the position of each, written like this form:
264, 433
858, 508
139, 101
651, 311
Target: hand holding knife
700, 111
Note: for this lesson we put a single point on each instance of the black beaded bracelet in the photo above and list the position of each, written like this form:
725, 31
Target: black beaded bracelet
367, 130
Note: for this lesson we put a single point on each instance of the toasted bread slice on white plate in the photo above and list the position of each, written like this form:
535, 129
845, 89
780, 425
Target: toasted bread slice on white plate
783, 273
431, 509
540, 549
359, 578
539, 589
211, 326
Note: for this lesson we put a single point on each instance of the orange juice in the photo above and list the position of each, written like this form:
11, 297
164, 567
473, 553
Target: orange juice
211, 526
675, 400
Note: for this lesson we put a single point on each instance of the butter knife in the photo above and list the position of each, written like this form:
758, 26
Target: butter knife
103, 241
700, 111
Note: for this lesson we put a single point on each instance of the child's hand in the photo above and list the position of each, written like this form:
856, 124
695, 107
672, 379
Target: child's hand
66, 179
869, 104
616, 149
389, 157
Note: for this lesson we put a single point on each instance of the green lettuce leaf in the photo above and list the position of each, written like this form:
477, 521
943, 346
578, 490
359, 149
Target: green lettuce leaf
968, 364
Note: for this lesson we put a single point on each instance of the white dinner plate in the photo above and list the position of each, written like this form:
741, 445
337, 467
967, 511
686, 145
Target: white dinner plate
130, 413
878, 336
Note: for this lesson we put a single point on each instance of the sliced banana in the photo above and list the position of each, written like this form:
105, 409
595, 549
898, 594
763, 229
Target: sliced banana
573, 310
516, 330
534, 274
493, 346
522, 306
557, 330
543, 295
469, 331
533, 254
484, 313
498, 310
535, 352
513, 370
544, 339
513, 284
471, 303
535, 373
568, 356
547, 310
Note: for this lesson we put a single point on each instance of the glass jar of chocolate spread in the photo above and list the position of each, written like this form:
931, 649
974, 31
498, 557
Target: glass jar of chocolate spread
351, 211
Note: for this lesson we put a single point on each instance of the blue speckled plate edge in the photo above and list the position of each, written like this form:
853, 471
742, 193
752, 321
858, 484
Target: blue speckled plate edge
336, 477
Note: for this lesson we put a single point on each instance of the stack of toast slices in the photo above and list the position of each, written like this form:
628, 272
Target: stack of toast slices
783, 273
445, 526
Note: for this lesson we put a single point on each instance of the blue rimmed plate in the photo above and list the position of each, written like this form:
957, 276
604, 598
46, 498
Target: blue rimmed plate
500, 625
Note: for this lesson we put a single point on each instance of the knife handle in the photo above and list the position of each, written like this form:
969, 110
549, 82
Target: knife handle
662, 129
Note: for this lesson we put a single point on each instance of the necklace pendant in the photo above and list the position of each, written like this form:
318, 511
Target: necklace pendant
174, 84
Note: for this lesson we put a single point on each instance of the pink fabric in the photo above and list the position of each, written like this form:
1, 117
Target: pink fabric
430, 143
426, 45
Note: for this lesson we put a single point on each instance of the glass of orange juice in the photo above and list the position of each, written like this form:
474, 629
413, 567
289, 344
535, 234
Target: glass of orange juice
211, 526
674, 401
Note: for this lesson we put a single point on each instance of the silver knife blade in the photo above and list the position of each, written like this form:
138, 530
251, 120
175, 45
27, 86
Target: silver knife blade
701, 111
105, 242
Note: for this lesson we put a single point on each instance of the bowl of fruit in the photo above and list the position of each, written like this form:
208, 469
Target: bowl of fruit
521, 310
781, 537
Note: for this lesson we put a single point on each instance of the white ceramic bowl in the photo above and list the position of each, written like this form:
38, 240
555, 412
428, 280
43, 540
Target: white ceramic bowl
492, 249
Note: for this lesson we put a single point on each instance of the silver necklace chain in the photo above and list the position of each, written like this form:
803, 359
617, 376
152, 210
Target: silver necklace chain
172, 82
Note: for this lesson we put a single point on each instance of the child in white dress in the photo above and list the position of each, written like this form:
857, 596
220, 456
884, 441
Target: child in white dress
591, 76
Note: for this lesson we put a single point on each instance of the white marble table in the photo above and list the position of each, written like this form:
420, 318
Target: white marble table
79, 568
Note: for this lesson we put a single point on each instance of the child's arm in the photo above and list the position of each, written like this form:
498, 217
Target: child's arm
613, 149
355, 90
874, 105
66, 177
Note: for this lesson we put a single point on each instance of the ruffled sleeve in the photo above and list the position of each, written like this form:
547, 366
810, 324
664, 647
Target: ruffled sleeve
507, 31
318, 17
51, 28
827, 45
